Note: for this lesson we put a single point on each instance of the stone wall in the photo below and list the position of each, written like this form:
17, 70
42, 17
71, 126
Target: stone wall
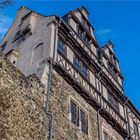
61, 94
22, 109
22, 102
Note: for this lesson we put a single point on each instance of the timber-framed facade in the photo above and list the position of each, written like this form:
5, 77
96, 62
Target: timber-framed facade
92, 71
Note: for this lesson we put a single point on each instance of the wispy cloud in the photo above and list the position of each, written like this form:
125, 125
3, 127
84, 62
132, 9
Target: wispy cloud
5, 23
102, 32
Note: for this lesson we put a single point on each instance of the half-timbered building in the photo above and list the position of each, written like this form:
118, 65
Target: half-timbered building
88, 90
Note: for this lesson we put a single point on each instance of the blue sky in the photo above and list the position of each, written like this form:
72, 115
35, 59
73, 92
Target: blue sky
118, 21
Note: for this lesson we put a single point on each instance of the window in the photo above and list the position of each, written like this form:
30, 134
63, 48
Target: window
80, 32
116, 104
77, 63
112, 58
81, 66
38, 53
78, 116
17, 35
85, 23
87, 40
74, 113
85, 71
84, 125
105, 136
136, 129
3, 46
61, 46
113, 101
112, 70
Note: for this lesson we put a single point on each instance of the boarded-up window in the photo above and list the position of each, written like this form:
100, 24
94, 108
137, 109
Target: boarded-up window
38, 53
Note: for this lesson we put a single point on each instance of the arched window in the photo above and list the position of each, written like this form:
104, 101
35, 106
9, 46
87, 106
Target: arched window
38, 53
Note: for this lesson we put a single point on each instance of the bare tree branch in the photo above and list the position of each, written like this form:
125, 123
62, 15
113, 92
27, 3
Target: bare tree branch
5, 3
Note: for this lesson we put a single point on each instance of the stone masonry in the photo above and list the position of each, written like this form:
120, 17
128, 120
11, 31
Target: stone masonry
22, 108
22, 102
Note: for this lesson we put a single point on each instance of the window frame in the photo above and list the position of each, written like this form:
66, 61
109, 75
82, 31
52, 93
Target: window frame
85, 129
33, 61
59, 47
105, 132
79, 116
80, 32
113, 101
136, 128
17, 35
3, 46
80, 66
77, 109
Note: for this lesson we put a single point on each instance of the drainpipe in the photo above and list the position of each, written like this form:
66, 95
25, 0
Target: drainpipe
48, 88
126, 116
101, 107
98, 118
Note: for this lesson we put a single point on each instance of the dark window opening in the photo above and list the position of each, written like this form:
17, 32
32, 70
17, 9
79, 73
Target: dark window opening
85, 23
85, 71
61, 46
14, 62
3, 46
17, 35
112, 70
77, 63
84, 124
136, 129
81, 66
87, 40
74, 113
65, 18
112, 58
113, 102
80, 32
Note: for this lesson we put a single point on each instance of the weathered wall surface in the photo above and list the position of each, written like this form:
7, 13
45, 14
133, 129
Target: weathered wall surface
22, 102
61, 94
22, 109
